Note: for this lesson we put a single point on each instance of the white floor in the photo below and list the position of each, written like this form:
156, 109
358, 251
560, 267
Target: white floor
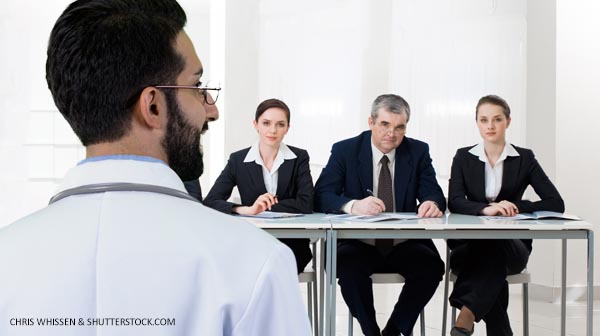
544, 317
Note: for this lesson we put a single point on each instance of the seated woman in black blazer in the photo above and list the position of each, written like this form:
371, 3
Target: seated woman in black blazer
490, 179
269, 175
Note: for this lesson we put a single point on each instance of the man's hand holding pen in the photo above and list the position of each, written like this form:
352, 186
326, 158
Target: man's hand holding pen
370, 205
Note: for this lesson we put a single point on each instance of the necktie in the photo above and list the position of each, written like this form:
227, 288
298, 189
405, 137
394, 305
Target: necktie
384, 192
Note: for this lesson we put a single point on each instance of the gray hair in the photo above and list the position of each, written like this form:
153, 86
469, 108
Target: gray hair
392, 103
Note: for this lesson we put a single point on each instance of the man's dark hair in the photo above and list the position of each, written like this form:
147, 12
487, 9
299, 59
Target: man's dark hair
103, 53
270, 103
494, 100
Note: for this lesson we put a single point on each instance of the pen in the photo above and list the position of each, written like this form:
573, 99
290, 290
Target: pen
370, 192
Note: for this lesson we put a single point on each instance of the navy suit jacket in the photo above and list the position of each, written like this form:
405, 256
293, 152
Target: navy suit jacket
349, 174
466, 194
295, 190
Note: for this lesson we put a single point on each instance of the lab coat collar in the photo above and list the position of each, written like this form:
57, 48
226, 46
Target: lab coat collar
122, 170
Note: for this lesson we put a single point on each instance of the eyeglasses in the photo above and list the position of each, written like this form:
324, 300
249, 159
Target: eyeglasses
209, 99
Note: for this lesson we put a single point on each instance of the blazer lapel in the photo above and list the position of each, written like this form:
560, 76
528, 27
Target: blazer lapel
284, 178
256, 177
365, 166
510, 173
476, 176
403, 168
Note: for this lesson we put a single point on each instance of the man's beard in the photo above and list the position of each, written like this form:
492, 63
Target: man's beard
182, 143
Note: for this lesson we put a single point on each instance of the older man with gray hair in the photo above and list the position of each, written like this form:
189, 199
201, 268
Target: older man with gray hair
378, 171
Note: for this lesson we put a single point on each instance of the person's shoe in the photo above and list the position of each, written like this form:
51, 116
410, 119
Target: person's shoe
457, 331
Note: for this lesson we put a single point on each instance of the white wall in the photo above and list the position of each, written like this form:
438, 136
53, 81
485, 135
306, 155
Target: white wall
577, 115
330, 59
541, 124
28, 127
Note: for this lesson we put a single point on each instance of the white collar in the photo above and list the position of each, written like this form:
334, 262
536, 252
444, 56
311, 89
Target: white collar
130, 171
284, 153
479, 151
377, 154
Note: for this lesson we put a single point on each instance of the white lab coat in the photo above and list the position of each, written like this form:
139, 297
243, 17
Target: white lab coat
144, 255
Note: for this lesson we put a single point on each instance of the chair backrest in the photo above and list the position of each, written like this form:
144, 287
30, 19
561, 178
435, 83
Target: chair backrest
307, 276
523, 277
386, 278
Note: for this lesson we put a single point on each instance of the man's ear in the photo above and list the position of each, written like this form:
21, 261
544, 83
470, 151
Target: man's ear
152, 108
371, 122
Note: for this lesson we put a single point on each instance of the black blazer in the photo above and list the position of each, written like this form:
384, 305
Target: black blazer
466, 193
294, 184
193, 188
349, 173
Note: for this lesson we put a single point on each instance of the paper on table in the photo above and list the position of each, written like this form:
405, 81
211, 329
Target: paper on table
273, 214
374, 218
534, 215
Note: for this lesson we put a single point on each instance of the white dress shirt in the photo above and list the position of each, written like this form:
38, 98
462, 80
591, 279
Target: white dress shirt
493, 175
377, 155
270, 176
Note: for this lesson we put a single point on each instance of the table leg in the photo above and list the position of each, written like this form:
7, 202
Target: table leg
590, 283
563, 291
323, 285
328, 285
333, 278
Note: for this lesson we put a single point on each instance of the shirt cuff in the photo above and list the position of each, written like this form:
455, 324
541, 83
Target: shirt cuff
432, 201
347, 208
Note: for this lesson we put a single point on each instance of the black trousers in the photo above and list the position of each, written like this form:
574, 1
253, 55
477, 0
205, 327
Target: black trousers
301, 249
481, 267
418, 261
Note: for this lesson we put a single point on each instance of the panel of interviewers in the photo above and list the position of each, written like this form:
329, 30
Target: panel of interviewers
382, 170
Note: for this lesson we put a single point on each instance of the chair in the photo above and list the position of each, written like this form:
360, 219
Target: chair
310, 278
523, 278
386, 278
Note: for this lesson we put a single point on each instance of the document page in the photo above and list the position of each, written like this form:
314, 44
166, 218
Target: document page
374, 218
272, 214
534, 215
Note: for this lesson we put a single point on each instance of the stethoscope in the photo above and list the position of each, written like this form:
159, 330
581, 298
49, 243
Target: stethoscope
106, 187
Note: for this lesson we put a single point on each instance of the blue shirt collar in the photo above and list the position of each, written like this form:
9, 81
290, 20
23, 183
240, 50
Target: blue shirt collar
122, 157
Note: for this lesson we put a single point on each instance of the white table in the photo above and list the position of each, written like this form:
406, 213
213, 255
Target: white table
452, 226
468, 227
308, 226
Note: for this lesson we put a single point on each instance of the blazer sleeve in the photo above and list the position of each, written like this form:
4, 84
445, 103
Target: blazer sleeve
457, 194
550, 199
302, 202
221, 191
193, 188
429, 189
330, 185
